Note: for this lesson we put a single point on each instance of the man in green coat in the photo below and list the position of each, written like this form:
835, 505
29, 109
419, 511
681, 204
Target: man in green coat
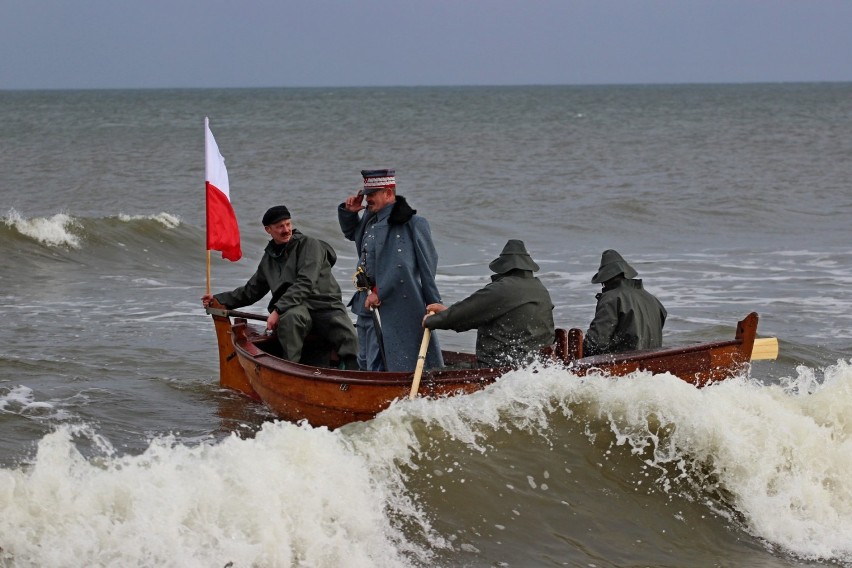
296, 268
513, 315
627, 317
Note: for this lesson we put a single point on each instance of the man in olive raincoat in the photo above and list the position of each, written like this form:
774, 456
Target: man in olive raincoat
513, 315
306, 297
397, 263
627, 317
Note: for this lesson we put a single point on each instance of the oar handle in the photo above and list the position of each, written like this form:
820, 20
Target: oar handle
421, 361
235, 314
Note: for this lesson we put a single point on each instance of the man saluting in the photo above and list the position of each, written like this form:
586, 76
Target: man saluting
397, 262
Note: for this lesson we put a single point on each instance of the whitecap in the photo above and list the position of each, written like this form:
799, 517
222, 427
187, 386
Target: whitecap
168, 220
50, 231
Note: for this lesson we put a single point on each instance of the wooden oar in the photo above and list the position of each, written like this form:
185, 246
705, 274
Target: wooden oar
236, 314
765, 348
421, 360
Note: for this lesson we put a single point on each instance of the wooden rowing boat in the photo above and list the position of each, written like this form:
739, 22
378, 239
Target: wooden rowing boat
316, 391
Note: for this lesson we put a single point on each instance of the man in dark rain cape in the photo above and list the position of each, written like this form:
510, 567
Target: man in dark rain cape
513, 315
627, 317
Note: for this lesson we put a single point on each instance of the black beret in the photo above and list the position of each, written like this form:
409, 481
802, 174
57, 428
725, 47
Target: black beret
275, 214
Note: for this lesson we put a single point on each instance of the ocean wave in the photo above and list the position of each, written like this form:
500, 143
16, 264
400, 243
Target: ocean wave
135, 245
253, 502
64, 230
772, 461
168, 220
21, 401
55, 231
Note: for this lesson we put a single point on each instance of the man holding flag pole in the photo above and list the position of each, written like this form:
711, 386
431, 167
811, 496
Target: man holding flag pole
295, 268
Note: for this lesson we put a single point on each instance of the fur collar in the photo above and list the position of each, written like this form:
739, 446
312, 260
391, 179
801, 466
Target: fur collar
401, 212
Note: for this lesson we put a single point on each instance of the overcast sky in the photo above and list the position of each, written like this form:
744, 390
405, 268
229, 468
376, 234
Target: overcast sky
54, 44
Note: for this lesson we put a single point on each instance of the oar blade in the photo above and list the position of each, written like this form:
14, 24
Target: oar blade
765, 348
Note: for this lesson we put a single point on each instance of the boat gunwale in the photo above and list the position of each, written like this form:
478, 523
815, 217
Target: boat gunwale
246, 339
657, 353
246, 348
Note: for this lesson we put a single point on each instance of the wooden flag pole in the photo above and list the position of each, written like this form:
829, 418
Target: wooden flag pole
206, 228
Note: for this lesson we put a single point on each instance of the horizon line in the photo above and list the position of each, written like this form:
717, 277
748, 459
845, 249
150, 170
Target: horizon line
429, 86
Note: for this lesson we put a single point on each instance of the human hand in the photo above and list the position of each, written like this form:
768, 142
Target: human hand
206, 300
354, 203
431, 310
372, 301
272, 321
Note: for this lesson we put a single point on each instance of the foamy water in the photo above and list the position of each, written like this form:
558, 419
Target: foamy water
57, 230
249, 502
260, 501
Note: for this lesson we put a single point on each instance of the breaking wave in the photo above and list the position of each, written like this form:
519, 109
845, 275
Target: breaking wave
65, 230
771, 461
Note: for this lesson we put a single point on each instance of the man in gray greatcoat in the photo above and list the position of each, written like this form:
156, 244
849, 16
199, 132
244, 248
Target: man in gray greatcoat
627, 317
306, 297
513, 315
397, 262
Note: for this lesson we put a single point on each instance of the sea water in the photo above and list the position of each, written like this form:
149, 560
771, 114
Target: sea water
117, 447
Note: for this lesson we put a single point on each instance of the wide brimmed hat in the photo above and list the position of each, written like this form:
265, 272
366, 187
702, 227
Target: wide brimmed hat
611, 266
514, 256
275, 214
377, 180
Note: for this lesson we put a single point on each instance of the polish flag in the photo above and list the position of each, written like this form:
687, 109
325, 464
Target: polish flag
223, 233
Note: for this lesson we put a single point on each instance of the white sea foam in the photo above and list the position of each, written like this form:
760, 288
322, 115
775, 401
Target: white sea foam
166, 219
782, 453
290, 496
295, 495
21, 400
51, 231
17, 397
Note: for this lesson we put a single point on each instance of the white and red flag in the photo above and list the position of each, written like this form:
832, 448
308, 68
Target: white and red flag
223, 233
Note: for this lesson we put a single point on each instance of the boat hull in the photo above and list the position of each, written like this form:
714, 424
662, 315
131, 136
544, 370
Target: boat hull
332, 397
327, 396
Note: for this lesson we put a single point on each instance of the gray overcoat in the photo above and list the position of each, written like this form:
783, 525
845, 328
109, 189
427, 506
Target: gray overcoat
406, 264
